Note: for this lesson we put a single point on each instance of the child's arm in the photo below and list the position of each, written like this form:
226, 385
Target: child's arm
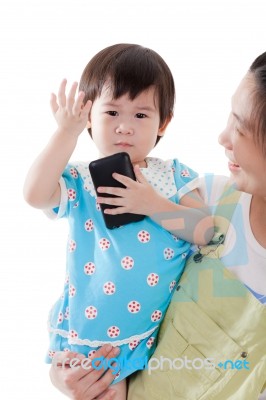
41, 188
190, 220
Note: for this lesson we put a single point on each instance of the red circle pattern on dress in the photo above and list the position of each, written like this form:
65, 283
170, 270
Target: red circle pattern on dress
109, 288
91, 353
133, 306
60, 318
73, 334
91, 312
74, 172
144, 236
156, 316
71, 194
89, 225
132, 345
66, 314
127, 262
104, 244
171, 286
72, 245
168, 253
89, 268
72, 291
150, 342
153, 279
113, 331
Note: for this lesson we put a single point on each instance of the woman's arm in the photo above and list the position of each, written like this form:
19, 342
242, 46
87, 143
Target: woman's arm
83, 383
191, 219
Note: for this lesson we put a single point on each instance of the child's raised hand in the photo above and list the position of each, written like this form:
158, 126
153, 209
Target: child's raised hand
70, 113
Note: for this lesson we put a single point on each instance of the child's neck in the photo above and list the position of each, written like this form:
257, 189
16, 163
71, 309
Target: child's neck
141, 164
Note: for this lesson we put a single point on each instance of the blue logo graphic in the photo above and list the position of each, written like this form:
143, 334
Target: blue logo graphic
238, 364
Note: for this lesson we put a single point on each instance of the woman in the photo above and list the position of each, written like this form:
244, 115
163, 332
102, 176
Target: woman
220, 317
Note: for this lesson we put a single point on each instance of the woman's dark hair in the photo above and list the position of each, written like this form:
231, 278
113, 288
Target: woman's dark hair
258, 69
130, 69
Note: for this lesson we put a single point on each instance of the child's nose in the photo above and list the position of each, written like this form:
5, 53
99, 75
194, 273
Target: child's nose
124, 129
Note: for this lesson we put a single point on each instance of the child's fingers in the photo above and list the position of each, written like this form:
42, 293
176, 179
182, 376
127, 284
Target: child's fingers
62, 93
71, 97
78, 106
86, 109
53, 103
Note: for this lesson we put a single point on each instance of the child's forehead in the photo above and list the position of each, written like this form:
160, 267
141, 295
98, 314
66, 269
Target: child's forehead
147, 95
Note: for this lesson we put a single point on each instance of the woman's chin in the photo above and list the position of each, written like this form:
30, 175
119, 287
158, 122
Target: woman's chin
236, 182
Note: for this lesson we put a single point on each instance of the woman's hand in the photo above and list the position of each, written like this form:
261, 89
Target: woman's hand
71, 114
82, 382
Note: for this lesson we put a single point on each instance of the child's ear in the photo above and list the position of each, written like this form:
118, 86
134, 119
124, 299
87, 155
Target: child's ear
162, 129
89, 123
89, 119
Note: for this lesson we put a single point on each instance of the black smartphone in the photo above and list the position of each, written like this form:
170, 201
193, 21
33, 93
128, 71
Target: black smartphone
101, 171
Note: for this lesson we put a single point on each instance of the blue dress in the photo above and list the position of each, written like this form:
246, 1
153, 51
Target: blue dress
119, 282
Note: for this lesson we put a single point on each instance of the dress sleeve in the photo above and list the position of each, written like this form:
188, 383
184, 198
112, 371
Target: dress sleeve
69, 183
210, 187
186, 179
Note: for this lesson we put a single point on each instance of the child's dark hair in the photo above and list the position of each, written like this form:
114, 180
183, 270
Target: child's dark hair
130, 69
258, 69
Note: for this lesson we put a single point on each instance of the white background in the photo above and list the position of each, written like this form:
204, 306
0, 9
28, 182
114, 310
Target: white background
208, 45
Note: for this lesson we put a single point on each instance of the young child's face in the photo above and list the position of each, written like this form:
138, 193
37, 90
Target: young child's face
125, 125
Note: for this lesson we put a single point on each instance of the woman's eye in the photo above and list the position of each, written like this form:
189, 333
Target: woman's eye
112, 113
238, 131
140, 115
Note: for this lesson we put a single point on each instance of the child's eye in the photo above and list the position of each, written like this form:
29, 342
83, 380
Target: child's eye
112, 113
140, 115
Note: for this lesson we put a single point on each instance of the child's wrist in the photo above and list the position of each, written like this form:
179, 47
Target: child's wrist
66, 135
158, 204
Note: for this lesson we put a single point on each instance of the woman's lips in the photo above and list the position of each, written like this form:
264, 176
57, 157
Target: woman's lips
233, 166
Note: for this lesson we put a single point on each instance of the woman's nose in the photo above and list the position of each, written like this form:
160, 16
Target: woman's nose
224, 138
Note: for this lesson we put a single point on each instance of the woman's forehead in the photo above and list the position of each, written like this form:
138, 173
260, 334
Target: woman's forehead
243, 99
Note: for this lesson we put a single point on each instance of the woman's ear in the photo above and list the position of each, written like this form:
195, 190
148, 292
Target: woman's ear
162, 129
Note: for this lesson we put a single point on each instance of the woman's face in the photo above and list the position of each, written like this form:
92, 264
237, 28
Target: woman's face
247, 163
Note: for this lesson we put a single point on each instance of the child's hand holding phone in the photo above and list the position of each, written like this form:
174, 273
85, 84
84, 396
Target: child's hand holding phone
102, 171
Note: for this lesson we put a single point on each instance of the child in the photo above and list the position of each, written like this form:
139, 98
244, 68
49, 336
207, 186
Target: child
120, 281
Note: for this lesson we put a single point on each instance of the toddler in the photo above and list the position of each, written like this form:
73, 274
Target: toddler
119, 282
